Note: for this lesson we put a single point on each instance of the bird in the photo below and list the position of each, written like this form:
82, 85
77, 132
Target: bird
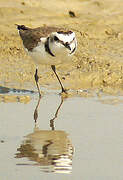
48, 45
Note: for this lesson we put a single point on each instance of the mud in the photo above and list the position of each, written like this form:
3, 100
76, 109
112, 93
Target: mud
98, 62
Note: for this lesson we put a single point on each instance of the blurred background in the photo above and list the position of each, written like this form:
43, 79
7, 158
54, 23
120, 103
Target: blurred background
79, 136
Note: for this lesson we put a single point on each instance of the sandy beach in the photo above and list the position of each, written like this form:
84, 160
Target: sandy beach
98, 61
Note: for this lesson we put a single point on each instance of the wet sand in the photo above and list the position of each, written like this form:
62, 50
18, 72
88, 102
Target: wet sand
98, 62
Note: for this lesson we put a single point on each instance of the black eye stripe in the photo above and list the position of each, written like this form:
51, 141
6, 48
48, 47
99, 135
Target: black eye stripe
55, 38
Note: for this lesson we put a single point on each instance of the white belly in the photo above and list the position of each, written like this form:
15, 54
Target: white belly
40, 56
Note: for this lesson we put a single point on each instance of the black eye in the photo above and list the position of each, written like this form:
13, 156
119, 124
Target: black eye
55, 38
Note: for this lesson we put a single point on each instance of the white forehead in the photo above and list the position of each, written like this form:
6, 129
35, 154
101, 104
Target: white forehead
65, 37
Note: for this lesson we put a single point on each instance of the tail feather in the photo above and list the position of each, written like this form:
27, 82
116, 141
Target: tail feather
21, 27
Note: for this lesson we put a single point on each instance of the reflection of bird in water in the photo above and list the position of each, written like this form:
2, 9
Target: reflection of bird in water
50, 149
55, 116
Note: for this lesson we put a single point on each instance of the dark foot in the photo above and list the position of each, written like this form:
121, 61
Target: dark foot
64, 91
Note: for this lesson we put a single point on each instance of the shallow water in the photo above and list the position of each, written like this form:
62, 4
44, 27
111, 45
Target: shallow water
77, 138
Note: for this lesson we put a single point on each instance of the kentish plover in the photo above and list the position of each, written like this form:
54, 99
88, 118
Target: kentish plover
48, 45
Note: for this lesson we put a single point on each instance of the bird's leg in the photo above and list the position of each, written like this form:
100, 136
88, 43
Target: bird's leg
54, 70
36, 80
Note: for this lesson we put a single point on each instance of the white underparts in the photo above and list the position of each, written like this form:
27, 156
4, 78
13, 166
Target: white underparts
60, 52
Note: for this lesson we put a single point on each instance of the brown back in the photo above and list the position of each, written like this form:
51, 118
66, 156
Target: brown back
31, 37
